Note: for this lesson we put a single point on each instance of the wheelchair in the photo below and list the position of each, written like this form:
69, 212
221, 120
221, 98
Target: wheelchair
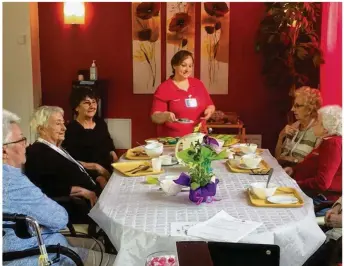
26, 227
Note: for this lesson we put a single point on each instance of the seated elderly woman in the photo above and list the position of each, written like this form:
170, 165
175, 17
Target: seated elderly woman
321, 170
296, 141
21, 196
87, 137
53, 169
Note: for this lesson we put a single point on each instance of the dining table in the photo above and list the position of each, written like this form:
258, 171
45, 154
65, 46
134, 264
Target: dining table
137, 216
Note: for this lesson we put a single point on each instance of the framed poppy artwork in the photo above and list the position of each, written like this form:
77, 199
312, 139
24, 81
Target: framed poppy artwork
146, 46
214, 57
180, 30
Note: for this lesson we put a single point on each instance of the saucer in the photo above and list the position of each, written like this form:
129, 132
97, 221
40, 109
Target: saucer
172, 163
244, 166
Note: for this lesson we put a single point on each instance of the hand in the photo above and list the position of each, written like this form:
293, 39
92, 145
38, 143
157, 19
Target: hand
87, 194
289, 171
207, 113
102, 181
288, 130
170, 117
114, 156
333, 219
290, 159
102, 171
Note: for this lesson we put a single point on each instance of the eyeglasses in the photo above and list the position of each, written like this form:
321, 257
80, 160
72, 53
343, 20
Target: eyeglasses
296, 105
17, 141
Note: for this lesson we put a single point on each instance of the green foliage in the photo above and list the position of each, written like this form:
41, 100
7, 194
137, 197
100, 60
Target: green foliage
199, 157
289, 43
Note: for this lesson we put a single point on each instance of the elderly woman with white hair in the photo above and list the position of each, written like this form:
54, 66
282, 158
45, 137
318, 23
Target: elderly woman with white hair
321, 171
21, 196
52, 168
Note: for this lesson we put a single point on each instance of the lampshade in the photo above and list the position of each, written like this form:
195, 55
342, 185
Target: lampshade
74, 12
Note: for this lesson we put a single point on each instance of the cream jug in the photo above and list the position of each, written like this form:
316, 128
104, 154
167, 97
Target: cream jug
186, 141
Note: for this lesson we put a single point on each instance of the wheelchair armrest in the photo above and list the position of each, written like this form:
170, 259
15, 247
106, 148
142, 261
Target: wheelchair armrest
16, 255
323, 205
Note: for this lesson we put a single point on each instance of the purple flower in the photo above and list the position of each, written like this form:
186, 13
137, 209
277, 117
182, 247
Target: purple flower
212, 143
183, 180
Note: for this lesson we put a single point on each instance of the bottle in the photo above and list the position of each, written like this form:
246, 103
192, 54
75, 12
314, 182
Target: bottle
93, 71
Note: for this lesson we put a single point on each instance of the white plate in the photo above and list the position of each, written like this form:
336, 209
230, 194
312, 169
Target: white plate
281, 199
189, 121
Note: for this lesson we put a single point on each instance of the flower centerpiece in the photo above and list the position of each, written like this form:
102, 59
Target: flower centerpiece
200, 179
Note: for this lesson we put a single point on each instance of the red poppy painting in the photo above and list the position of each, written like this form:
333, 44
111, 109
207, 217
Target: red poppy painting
215, 46
180, 30
146, 46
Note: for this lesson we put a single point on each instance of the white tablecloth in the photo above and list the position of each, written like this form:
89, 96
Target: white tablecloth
137, 217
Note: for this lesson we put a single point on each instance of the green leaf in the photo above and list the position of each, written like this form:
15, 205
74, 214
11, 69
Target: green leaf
194, 185
220, 156
206, 152
185, 156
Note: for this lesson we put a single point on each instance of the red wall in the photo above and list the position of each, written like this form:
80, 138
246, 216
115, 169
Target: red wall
106, 37
331, 44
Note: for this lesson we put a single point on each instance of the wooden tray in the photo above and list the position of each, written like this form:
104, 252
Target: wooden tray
280, 191
130, 155
126, 166
263, 167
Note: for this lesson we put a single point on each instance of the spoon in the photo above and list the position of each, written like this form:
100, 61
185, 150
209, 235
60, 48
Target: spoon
269, 177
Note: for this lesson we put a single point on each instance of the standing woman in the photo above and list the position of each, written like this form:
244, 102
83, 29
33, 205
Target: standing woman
181, 96
87, 137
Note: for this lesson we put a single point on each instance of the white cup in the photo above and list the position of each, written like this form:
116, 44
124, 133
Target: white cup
166, 159
156, 164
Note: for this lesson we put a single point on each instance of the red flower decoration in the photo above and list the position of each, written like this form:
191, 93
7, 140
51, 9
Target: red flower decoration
147, 10
179, 22
217, 9
144, 35
209, 29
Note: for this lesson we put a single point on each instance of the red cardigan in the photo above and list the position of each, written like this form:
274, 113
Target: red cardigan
321, 170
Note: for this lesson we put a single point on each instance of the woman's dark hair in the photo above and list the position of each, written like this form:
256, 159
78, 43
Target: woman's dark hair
79, 94
178, 59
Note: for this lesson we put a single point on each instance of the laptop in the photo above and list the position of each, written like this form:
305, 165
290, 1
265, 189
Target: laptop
227, 254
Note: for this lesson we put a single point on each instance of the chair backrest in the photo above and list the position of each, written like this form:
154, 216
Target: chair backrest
223, 254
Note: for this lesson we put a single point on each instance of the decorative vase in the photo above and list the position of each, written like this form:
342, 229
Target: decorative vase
201, 194
204, 194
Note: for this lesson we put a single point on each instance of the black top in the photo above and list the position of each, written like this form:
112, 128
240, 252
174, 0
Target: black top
90, 145
54, 173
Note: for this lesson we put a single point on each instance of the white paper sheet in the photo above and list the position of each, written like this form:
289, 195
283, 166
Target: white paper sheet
223, 227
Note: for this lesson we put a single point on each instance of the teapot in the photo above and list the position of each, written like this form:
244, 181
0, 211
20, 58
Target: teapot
186, 141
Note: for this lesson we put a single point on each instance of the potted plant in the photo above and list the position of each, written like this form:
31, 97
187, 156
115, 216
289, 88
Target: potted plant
200, 177
288, 40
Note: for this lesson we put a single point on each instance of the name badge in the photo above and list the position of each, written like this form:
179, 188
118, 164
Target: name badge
191, 102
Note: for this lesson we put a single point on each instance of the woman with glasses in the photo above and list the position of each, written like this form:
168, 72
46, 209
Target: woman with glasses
87, 137
296, 141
